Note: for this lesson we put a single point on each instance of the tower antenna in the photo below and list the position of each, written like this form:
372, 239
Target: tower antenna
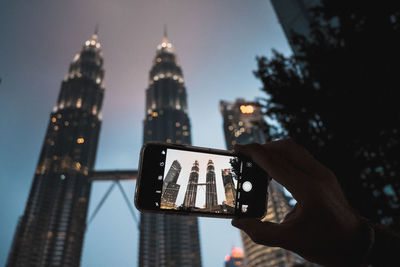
165, 31
96, 29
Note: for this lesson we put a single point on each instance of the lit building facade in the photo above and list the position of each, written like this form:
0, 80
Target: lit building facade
211, 187
51, 230
229, 187
167, 240
170, 188
191, 189
235, 259
243, 124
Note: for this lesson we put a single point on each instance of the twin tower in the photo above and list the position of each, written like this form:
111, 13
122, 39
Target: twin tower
51, 230
171, 189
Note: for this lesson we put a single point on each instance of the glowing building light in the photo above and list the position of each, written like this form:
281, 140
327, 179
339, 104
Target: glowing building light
80, 140
237, 252
53, 119
155, 114
77, 165
246, 109
93, 42
79, 103
87, 43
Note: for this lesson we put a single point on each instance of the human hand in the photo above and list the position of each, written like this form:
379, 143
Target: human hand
322, 227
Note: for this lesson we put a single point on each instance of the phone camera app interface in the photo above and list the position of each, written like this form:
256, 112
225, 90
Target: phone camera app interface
199, 182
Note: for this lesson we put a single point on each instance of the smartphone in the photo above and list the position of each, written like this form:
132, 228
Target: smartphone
188, 180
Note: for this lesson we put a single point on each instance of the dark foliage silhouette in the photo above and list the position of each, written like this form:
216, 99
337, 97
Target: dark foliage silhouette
338, 98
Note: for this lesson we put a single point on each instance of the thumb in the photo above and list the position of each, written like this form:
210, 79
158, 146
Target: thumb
263, 233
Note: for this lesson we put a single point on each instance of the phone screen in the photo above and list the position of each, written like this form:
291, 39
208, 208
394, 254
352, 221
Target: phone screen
208, 182
200, 182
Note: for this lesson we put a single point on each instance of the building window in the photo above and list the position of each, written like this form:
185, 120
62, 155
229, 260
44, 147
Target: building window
80, 140
53, 119
177, 124
79, 103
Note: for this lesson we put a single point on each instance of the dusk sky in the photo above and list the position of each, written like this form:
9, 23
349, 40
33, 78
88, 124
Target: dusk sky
216, 42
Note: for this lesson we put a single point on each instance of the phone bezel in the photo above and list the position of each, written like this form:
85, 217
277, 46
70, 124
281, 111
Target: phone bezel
190, 213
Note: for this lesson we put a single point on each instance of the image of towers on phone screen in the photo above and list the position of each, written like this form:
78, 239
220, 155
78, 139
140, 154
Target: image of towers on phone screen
196, 181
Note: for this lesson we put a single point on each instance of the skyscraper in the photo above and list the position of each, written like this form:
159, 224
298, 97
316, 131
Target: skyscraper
170, 188
191, 189
51, 230
295, 17
211, 187
243, 124
167, 240
229, 187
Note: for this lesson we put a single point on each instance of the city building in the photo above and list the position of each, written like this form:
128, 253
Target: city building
167, 240
229, 186
295, 18
243, 124
235, 259
211, 187
51, 230
191, 189
170, 188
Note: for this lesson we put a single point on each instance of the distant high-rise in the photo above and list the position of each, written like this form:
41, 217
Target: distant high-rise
167, 240
191, 189
236, 259
229, 186
243, 124
211, 187
51, 230
170, 188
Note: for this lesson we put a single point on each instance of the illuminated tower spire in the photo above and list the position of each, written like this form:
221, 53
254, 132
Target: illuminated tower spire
51, 230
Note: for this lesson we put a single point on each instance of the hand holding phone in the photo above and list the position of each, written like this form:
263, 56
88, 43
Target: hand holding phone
187, 180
